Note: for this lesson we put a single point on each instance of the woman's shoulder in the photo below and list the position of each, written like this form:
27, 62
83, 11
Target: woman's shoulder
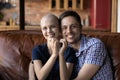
70, 51
41, 46
69, 48
38, 50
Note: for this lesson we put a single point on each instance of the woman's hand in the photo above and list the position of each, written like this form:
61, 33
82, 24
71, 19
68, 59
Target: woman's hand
63, 46
53, 45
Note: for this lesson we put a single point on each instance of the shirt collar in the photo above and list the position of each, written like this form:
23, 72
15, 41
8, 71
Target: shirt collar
83, 45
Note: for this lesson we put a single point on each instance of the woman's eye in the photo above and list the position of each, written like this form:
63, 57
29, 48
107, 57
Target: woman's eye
44, 28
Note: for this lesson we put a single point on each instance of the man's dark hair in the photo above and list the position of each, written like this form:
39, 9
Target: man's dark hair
70, 13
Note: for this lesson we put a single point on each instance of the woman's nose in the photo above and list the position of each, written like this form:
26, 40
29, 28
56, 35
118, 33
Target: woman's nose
49, 30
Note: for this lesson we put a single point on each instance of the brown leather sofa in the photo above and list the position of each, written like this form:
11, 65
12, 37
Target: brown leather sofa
16, 47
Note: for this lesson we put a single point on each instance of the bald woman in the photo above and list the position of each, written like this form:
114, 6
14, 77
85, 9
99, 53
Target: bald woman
51, 61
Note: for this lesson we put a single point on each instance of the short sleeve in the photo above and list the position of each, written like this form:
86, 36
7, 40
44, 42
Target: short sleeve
36, 53
96, 54
70, 55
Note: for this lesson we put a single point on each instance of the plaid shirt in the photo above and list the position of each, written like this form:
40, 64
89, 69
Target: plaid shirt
92, 51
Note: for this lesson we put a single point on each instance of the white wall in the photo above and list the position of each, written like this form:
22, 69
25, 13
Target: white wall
118, 18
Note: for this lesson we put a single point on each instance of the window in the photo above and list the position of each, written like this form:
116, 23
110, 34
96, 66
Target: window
66, 4
78, 4
70, 4
9, 12
53, 3
61, 3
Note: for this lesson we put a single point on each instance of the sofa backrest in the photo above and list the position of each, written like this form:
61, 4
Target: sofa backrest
15, 53
16, 48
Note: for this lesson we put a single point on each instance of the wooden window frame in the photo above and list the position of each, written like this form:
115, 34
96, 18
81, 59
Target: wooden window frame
22, 14
114, 16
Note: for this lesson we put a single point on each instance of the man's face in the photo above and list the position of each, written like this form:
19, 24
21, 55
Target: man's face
50, 28
70, 29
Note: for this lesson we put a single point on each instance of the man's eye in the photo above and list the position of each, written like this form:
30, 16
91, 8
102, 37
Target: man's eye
73, 26
64, 28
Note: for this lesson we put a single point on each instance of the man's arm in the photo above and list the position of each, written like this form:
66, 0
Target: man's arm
94, 59
87, 72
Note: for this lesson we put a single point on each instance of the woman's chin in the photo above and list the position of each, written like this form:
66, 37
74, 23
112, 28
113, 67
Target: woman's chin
70, 41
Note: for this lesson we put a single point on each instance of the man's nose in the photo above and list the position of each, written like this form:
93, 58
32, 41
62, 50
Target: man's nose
69, 29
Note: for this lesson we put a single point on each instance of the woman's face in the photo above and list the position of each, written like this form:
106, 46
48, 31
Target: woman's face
50, 27
70, 29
